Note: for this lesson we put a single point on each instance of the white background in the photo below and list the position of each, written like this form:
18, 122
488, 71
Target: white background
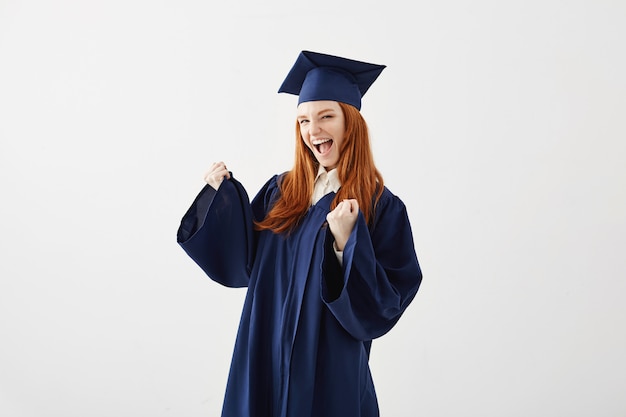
501, 125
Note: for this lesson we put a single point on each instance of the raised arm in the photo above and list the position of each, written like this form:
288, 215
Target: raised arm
216, 232
380, 274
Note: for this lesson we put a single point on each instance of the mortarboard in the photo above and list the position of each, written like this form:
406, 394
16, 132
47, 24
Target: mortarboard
317, 76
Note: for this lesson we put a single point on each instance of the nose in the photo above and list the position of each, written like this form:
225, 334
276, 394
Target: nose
314, 127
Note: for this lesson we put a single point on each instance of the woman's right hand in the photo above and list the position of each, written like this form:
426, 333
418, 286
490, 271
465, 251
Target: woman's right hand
216, 174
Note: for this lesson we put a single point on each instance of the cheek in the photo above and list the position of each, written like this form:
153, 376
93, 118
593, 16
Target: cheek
306, 142
339, 142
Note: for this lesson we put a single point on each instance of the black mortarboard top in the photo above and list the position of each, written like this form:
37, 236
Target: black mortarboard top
317, 76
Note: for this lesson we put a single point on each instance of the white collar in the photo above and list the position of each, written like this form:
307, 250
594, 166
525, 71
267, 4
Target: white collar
325, 182
329, 179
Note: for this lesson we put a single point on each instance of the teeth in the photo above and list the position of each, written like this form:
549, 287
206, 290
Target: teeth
319, 141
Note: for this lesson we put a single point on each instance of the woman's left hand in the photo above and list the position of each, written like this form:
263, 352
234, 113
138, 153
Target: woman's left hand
342, 220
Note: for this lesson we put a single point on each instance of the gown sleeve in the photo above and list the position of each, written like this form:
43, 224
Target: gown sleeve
217, 233
380, 274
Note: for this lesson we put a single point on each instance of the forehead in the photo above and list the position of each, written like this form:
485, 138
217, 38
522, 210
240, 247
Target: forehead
314, 107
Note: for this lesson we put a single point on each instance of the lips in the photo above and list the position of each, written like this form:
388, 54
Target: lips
323, 145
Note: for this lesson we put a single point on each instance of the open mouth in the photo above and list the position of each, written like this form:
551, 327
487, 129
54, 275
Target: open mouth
323, 146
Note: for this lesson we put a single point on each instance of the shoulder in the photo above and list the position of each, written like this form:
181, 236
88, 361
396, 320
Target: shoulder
388, 198
272, 185
389, 205
269, 192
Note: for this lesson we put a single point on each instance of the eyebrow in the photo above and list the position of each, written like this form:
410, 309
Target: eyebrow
318, 113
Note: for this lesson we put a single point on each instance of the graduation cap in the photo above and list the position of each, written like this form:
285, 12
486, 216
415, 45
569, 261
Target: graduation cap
317, 76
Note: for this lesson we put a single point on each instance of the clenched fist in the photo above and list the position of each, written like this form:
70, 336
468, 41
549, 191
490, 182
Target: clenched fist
342, 220
216, 174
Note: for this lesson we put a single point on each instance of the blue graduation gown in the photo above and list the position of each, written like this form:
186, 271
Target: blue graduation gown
305, 333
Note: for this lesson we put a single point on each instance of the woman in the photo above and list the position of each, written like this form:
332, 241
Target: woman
326, 252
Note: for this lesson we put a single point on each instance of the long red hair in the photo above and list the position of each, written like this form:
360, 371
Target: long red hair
356, 171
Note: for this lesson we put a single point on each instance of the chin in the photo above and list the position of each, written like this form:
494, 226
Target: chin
327, 164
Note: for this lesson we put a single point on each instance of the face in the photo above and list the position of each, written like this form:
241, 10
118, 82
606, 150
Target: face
322, 126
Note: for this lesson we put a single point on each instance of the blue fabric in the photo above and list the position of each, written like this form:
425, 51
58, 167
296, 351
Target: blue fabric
305, 334
330, 84
316, 76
